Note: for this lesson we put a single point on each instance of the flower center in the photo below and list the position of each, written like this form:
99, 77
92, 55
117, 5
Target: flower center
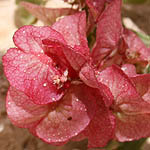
60, 81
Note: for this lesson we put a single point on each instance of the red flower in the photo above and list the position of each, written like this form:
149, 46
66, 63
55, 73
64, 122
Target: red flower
131, 102
46, 93
60, 91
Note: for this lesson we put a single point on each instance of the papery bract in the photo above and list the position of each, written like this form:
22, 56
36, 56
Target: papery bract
22, 111
74, 34
61, 91
32, 69
128, 105
96, 7
137, 49
108, 31
129, 70
54, 122
104, 129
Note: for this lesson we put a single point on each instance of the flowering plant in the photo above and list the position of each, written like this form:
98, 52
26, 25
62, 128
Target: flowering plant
61, 90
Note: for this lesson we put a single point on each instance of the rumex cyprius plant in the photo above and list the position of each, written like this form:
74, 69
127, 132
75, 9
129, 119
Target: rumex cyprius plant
61, 90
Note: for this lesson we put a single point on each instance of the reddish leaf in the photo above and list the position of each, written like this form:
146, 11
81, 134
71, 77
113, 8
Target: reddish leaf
22, 111
70, 117
108, 32
47, 15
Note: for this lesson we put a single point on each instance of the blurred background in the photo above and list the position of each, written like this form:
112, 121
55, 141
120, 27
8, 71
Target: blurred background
136, 16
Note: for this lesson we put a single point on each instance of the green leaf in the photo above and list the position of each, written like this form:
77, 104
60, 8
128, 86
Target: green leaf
146, 69
145, 38
23, 17
112, 145
134, 1
32, 1
134, 145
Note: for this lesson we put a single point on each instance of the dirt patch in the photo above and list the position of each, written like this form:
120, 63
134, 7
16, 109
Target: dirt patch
140, 14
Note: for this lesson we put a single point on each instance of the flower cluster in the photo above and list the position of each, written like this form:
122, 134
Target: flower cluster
61, 90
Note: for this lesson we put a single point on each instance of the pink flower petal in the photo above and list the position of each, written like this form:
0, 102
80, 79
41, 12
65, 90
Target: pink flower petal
69, 117
108, 32
89, 76
126, 98
132, 112
129, 70
55, 50
29, 38
73, 29
32, 74
47, 15
64, 54
22, 111
75, 59
142, 84
96, 7
101, 128
132, 127
136, 48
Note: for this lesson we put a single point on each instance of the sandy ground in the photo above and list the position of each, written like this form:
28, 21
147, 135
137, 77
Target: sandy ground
13, 138
7, 26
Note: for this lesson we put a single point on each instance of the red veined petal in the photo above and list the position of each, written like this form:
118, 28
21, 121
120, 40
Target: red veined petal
22, 111
132, 127
142, 84
129, 70
96, 7
89, 76
126, 98
69, 117
32, 74
101, 128
109, 29
29, 38
73, 29
64, 53
136, 48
